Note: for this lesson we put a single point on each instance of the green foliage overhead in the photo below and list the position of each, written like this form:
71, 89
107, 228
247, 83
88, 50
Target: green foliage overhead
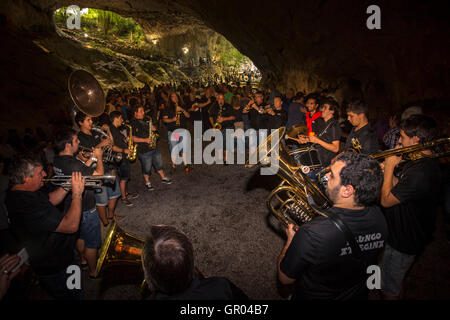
228, 55
105, 24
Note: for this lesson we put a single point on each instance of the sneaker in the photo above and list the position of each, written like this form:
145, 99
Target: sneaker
149, 187
166, 180
131, 196
127, 202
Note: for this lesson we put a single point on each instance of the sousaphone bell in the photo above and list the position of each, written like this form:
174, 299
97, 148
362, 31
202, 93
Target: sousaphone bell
86, 93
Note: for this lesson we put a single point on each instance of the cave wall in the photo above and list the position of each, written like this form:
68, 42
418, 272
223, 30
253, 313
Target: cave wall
307, 45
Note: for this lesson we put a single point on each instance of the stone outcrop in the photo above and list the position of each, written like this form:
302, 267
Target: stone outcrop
307, 45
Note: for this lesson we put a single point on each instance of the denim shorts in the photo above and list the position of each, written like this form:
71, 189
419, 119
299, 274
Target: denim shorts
90, 229
124, 170
394, 266
107, 192
149, 159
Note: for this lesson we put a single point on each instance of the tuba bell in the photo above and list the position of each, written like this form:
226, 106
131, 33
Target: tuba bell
86, 93
296, 199
122, 248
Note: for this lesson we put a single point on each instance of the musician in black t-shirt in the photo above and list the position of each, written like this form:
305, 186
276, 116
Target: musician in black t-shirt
175, 117
47, 234
226, 119
317, 257
147, 156
361, 138
65, 163
105, 197
276, 117
328, 139
120, 145
410, 204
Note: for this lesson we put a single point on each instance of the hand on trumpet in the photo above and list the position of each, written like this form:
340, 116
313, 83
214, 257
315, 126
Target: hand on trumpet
77, 183
392, 161
97, 152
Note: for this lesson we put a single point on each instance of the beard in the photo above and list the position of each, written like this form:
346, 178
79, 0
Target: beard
332, 193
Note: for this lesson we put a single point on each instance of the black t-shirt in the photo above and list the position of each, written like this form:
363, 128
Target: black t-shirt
118, 137
65, 165
34, 221
196, 114
255, 117
141, 130
237, 114
227, 111
89, 141
320, 259
276, 121
295, 116
366, 138
213, 288
170, 112
331, 132
412, 222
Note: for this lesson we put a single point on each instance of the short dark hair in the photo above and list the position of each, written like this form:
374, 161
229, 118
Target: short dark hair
358, 107
333, 105
115, 114
80, 117
21, 168
135, 109
62, 137
364, 174
422, 126
313, 96
168, 260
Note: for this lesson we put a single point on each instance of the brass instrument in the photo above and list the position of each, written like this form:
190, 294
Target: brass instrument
86, 93
131, 156
122, 248
218, 125
152, 135
296, 199
90, 181
108, 154
178, 114
408, 154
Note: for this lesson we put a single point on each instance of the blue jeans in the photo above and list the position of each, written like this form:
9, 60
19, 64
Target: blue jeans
394, 265
149, 159
90, 229
108, 192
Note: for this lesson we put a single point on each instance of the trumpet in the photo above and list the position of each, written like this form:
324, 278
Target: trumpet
90, 181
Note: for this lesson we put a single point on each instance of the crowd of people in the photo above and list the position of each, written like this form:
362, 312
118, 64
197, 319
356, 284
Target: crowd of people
389, 208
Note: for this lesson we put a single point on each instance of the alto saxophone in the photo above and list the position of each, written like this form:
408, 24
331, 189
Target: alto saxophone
152, 135
218, 125
131, 146
178, 122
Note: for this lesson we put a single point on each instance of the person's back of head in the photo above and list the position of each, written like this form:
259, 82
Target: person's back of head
168, 260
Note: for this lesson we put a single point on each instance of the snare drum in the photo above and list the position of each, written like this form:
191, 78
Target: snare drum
308, 157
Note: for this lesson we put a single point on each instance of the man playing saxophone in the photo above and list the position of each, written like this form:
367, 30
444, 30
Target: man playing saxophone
222, 113
120, 145
148, 157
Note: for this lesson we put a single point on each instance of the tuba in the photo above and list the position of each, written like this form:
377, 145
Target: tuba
123, 248
86, 93
132, 147
296, 199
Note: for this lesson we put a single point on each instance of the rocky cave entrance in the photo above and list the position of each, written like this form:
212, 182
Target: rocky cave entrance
141, 56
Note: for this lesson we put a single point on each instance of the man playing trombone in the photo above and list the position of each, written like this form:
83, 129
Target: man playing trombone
410, 204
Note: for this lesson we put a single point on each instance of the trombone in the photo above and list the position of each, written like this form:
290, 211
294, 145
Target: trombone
90, 181
408, 154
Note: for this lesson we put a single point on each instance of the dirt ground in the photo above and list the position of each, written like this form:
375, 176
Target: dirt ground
222, 210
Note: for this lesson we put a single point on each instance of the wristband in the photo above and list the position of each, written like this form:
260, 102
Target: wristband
76, 195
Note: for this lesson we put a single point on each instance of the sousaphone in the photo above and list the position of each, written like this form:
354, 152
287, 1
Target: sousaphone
86, 93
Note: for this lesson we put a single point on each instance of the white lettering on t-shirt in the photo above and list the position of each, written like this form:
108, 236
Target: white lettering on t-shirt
366, 242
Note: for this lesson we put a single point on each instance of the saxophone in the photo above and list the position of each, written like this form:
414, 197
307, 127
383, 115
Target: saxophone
132, 147
152, 135
178, 122
218, 125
